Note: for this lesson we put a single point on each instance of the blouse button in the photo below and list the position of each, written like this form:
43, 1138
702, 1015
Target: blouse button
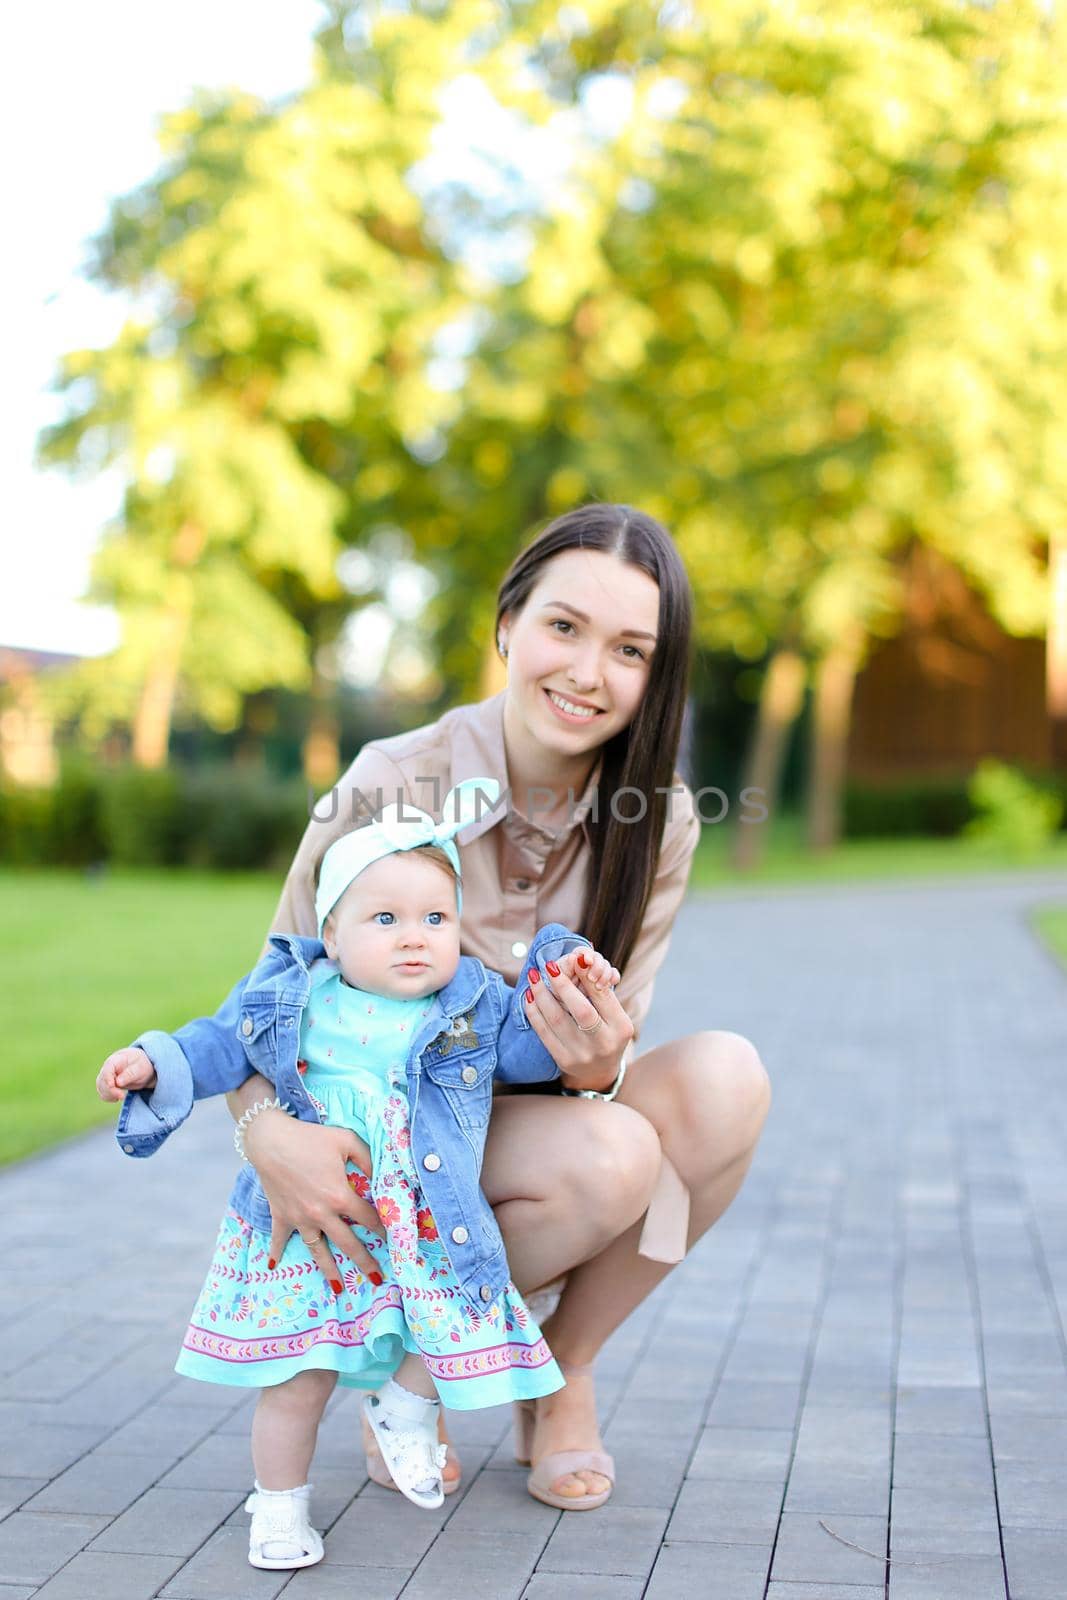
485, 1292
246, 1026
518, 948
522, 883
469, 1074
460, 1235
432, 1161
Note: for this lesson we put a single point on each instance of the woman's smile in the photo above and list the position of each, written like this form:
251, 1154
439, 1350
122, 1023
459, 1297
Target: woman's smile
572, 711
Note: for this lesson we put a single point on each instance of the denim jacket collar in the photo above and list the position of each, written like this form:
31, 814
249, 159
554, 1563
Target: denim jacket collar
458, 996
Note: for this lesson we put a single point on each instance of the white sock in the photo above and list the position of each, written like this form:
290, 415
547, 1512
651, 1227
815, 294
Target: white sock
399, 1402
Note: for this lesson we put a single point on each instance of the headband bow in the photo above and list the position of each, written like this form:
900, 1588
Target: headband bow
401, 827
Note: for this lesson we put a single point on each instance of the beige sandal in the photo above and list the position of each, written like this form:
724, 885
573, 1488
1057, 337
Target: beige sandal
560, 1462
379, 1473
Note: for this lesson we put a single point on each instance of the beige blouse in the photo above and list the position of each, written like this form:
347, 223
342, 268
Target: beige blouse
518, 872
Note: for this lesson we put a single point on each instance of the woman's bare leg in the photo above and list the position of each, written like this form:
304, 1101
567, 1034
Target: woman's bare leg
707, 1097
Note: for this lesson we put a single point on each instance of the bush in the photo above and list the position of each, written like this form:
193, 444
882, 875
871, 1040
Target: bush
1013, 813
218, 818
923, 807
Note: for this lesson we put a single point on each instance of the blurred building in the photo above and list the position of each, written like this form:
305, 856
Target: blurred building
948, 689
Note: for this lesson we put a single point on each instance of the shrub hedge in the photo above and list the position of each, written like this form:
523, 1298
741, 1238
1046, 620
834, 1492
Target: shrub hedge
178, 817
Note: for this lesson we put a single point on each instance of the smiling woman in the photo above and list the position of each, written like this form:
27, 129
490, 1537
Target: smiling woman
611, 1181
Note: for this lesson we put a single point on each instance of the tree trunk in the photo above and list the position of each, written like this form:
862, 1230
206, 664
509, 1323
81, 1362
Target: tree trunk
781, 697
155, 709
835, 678
322, 742
1056, 651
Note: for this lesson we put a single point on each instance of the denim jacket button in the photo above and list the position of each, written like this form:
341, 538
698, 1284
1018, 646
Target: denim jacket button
469, 1075
246, 1026
128, 1149
485, 1292
460, 1235
432, 1161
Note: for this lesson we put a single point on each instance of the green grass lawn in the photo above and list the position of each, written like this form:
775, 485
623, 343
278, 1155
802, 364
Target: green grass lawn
87, 963
1051, 925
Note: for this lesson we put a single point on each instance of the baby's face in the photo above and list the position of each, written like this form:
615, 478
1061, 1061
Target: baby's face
395, 930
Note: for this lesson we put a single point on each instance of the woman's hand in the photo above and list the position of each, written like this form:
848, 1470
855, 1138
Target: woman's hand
576, 1016
301, 1166
125, 1070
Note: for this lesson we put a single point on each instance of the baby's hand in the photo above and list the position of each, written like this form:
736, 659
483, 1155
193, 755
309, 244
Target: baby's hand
125, 1070
591, 968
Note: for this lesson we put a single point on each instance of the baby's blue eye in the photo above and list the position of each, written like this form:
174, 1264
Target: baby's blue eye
378, 915
435, 918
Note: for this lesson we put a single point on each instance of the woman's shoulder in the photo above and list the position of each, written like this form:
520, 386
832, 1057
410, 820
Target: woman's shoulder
419, 753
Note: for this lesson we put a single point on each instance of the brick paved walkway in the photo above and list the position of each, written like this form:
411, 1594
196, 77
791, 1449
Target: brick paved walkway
867, 1355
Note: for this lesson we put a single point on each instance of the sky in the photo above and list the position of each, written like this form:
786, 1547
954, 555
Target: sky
82, 88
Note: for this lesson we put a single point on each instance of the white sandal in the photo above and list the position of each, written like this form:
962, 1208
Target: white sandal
281, 1536
405, 1428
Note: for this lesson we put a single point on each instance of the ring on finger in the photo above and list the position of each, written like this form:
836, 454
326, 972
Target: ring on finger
593, 1029
313, 1240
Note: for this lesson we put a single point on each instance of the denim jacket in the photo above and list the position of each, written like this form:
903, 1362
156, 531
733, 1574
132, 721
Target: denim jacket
476, 1030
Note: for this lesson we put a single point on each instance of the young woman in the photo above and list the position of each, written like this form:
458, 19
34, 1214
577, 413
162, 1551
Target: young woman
613, 1179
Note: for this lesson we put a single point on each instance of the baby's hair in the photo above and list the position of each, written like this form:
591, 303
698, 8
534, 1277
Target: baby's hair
434, 853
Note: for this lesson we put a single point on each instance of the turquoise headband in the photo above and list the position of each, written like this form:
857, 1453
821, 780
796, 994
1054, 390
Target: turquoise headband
400, 827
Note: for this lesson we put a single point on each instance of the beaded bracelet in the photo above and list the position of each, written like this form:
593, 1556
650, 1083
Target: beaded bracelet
244, 1120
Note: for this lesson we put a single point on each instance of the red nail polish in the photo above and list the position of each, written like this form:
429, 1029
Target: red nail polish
271, 1263
529, 997
336, 1285
533, 975
553, 967
583, 960
376, 1278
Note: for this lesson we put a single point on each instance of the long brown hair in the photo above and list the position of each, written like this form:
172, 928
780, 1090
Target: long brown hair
641, 757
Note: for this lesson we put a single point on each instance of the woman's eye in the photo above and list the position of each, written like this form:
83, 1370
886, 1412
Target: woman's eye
388, 917
560, 623
638, 655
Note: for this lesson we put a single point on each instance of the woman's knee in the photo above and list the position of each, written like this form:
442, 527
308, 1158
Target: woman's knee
721, 1085
619, 1159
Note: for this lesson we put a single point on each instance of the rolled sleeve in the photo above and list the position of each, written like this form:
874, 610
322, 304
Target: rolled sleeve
148, 1117
681, 835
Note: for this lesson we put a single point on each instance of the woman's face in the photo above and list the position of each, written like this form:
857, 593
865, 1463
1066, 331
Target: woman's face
580, 650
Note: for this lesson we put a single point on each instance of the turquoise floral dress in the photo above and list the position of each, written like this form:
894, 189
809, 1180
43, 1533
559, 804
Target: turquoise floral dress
255, 1327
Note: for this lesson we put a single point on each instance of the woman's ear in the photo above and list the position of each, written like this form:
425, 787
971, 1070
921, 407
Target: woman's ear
503, 628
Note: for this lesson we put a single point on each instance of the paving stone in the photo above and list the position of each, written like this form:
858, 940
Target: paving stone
940, 1410
164, 1431
623, 1540
324, 1582
1036, 1561
697, 1571
44, 1451
939, 1460
961, 1578
382, 1529
573, 1586
815, 1487
221, 1461
807, 1552
1032, 1494
113, 1577
819, 1591
33, 1546
755, 1405
711, 1510
220, 1571
482, 1566
102, 1484
759, 1453
172, 1522
14, 1492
